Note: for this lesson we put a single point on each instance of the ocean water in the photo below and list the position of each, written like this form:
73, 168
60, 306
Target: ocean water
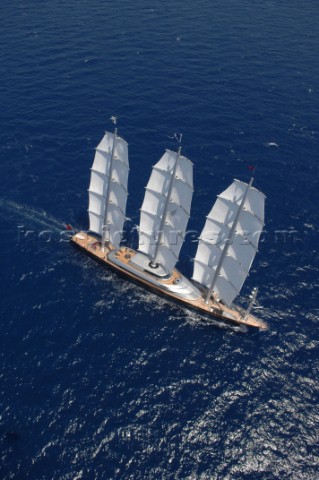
99, 379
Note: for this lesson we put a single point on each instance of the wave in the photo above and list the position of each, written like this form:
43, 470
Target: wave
36, 217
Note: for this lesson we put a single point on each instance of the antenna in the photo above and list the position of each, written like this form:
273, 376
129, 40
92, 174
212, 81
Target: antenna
178, 137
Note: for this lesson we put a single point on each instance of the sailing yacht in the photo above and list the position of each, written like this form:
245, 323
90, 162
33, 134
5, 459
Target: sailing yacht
226, 248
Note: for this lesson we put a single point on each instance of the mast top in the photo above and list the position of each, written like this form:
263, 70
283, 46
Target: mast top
114, 120
252, 169
178, 137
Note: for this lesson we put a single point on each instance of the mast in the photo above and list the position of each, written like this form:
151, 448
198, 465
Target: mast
252, 302
109, 183
228, 240
153, 263
165, 210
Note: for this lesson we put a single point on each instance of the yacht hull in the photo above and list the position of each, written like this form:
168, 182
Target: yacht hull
176, 287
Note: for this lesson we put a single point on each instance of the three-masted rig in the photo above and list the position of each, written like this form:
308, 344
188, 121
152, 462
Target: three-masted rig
227, 244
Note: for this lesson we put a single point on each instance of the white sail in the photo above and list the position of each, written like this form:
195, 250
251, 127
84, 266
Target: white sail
108, 188
226, 250
166, 208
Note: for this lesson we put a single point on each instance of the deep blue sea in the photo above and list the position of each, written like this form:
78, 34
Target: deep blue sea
98, 378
